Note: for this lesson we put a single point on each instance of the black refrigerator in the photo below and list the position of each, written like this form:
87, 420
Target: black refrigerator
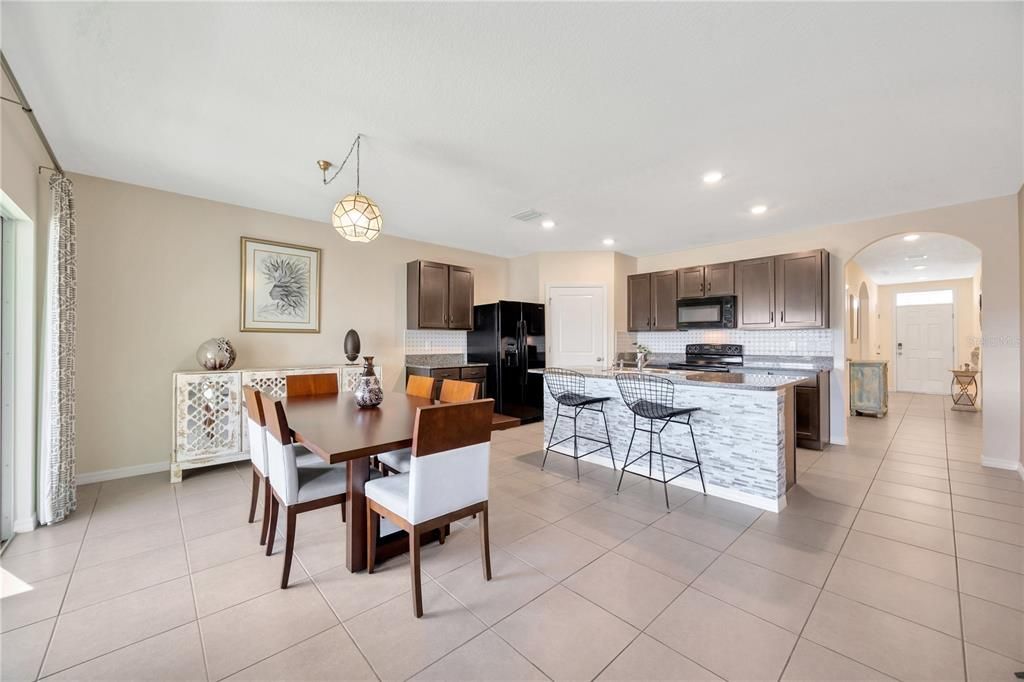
509, 337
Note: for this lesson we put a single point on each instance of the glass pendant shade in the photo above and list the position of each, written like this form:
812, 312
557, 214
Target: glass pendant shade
357, 218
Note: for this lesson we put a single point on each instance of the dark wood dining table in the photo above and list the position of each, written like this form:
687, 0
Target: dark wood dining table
338, 431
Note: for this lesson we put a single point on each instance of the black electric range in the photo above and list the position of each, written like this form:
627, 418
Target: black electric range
711, 357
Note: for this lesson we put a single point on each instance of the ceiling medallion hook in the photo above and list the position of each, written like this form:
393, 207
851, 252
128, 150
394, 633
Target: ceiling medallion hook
356, 217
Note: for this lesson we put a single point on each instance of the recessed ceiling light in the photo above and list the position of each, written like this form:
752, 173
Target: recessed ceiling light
547, 223
759, 209
911, 237
916, 258
608, 241
920, 267
712, 177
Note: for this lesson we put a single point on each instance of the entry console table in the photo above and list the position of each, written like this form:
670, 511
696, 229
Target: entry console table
964, 389
209, 410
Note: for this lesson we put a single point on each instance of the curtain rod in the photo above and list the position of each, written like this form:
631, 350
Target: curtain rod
28, 111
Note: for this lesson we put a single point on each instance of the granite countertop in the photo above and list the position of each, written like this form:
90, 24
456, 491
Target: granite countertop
440, 361
809, 362
745, 381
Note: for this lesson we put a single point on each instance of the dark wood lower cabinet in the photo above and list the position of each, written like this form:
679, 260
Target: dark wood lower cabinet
813, 407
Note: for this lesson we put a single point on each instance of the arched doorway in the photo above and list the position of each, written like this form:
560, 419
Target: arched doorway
914, 304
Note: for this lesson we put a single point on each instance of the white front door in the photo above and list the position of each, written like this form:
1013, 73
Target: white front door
578, 333
924, 347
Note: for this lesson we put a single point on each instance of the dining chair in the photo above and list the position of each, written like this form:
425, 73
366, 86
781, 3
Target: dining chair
420, 386
257, 430
297, 489
447, 481
453, 391
299, 385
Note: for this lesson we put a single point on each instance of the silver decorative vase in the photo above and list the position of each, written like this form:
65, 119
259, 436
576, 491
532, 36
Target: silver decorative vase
368, 392
216, 354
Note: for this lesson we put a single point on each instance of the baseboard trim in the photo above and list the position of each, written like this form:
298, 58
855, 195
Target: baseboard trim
1000, 463
25, 525
123, 472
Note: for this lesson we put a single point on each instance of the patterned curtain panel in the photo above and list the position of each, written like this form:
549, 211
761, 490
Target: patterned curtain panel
57, 495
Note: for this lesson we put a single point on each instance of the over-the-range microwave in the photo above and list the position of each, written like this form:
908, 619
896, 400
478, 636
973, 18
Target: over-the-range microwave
710, 312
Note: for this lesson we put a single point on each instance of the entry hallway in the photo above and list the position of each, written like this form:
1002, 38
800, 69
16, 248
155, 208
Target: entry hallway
899, 556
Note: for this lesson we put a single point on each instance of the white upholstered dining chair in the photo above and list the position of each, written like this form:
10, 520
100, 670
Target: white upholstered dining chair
256, 424
447, 481
452, 391
296, 488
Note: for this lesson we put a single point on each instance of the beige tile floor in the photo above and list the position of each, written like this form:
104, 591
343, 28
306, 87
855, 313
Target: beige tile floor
898, 556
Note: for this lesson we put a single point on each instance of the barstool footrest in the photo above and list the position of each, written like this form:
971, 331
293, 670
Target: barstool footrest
695, 463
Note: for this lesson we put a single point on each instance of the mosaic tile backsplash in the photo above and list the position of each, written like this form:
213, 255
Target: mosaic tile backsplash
434, 341
776, 342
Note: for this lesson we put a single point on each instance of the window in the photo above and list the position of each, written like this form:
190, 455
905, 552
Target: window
937, 297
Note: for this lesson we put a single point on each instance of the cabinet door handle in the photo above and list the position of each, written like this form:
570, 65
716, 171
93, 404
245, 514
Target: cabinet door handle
771, 317
782, 316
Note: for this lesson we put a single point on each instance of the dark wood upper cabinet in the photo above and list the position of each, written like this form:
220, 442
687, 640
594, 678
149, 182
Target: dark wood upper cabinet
690, 282
460, 297
801, 289
438, 296
720, 279
663, 300
755, 289
775, 292
638, 302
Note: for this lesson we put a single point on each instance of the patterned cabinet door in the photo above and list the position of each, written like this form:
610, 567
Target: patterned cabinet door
350, 376
272, 383
207, 415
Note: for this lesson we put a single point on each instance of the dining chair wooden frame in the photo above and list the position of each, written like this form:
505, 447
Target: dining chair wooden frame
420, 386
455, 391
438, 429
299, 385
254, 407
277, 424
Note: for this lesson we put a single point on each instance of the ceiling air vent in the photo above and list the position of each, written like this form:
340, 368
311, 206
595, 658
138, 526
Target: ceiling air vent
528, 215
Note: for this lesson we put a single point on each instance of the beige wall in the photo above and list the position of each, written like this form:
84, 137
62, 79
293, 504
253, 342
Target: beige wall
1020, 336
158, 273
992, 225
867, 347
965, 311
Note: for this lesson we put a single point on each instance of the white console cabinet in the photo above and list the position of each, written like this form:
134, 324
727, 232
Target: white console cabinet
209, 410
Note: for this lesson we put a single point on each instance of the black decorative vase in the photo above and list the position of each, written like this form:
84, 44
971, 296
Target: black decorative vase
352, 346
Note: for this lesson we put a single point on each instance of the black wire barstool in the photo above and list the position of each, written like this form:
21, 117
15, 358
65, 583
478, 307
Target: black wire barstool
568, 388
652, 399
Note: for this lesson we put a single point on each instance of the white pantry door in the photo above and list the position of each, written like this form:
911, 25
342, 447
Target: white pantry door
578, 334
924, 347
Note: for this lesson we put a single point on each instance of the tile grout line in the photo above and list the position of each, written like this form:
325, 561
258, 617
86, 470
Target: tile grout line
71, 576
956, 557
192, 588
849, 530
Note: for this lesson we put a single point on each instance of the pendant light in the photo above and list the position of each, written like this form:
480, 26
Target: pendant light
356, 217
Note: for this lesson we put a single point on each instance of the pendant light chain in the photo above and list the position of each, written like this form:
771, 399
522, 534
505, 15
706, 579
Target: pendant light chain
355, 146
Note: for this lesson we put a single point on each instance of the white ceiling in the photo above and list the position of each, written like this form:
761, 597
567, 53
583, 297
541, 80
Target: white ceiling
603, 116
893, 260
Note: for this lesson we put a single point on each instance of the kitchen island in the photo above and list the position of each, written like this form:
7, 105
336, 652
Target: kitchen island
745, 432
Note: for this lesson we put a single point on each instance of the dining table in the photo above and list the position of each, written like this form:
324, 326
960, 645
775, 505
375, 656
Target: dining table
338, 430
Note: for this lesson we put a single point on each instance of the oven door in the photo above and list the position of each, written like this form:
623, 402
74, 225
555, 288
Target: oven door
714, 312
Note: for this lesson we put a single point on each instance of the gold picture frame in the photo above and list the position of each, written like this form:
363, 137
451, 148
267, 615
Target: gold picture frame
280, 287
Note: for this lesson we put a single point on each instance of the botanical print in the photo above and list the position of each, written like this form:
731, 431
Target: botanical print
284, 294
280, 287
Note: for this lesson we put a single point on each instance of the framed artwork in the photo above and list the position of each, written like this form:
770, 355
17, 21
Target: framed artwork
280, 287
